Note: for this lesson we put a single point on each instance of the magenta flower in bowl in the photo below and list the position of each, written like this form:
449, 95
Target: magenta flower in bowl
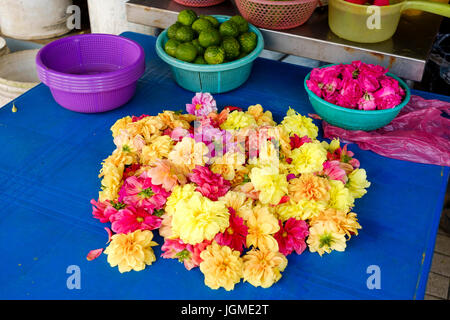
356, 96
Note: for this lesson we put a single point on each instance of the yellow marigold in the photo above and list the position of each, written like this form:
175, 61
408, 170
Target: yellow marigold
340, 196
120, 124
262, 118
310, 187
221, 266
325, 237
308, 158
132, 251
197, 218
239, 202
159, 148
346, 223
272, 185
237, 120
303, 209
148, 127
263, 267
295, 123
227, 164
357, 183
262, 225
172, 120
188, 153
178, 193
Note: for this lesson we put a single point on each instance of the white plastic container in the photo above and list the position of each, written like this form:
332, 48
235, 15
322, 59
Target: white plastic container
17, 74
34, 19
110, 16
3, 47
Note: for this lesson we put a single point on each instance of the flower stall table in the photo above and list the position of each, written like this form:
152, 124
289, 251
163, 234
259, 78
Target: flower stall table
50, 159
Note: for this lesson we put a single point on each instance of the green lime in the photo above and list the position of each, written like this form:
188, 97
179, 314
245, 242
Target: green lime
248, 41
241, 55
214, 55
187, 17
186, 52
184, 34
231, 47
229, 29
172, 30
200, 49
201, 24
171, 47
215, 23
200, 60
210, 37
241, 23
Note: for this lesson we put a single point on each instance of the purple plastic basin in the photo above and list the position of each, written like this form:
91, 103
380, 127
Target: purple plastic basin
91, 72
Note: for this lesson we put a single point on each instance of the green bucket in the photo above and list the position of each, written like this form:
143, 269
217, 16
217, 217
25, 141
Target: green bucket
352, 119
210, 78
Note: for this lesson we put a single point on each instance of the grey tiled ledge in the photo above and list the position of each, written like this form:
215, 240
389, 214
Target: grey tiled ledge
405, 54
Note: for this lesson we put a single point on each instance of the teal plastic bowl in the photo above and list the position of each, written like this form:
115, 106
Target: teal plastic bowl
352, 119
210, 78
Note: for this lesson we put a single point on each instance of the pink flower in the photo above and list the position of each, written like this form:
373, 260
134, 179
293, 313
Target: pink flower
131, 219
333, 171
368, 82
179, 133
140, 192
387, 81
367, 102
315, 87
350, 93
164, 173
387, 98
134, 119
211, 185
202, 105
290, 176
291, 236
297, 142
235, 235
105, 210
186, 253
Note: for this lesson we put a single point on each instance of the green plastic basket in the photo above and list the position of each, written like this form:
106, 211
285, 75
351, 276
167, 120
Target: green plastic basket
352, 119
210, 78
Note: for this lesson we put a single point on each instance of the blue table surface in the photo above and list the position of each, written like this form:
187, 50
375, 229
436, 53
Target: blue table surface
49, 162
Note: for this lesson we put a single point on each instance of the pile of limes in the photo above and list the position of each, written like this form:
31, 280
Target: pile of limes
203, 40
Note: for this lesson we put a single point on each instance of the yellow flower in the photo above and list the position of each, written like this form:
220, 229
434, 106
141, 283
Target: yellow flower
295, 123
239, 202
262, 225
237, 120
178, 193
221, 266
188, 153
346, 223
263, 267
268, 155
302, 210
308, 158
332, 146
325, 237
309, 187
272, 185
340, 196
160, 147
197, 218
227, 164
132, 251
172, 120
262, 118
120, 124
357, 183
148, 127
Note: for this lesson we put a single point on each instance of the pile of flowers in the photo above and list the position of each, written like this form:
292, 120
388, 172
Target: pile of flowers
356, 86
232, 192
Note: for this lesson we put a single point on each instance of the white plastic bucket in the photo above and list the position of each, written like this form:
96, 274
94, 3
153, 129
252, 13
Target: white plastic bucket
34, 19
17, 74
3, 47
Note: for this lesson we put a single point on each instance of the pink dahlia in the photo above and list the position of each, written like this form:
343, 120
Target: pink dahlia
131, 219
367, 102
350, 93
134, 118
202, 104
387, 98
297, 142
291, 236
105, 210
211, 185
236, 233
140, 192
333, 171
186, 253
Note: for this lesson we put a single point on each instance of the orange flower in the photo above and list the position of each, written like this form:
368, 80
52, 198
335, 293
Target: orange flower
309, 187
166, 174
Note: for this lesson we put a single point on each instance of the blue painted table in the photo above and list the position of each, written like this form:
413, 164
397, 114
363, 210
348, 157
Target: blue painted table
49, 162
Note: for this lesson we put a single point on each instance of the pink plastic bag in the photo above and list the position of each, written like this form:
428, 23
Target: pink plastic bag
420, 133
